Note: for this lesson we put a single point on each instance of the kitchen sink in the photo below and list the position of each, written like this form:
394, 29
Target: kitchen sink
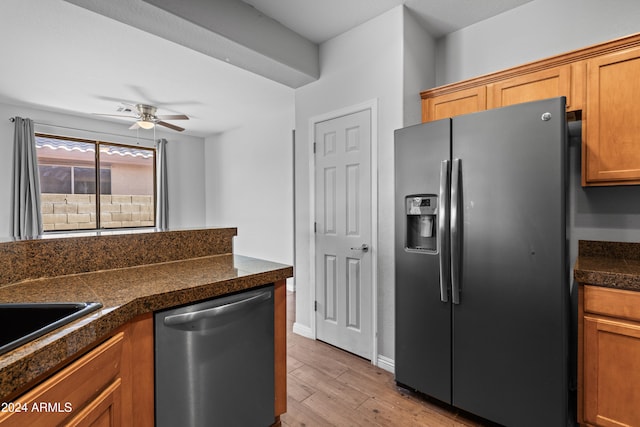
23, 322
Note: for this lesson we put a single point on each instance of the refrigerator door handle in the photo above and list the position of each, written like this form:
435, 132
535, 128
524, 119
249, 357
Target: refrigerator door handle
455, 230
443, 235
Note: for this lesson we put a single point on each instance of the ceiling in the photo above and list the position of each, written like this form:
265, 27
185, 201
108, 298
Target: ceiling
320, 21
54, 54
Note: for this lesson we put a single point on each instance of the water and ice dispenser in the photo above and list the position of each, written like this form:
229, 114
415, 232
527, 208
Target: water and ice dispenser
421, 228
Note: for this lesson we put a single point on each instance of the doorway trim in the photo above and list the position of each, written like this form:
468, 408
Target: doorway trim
372, 106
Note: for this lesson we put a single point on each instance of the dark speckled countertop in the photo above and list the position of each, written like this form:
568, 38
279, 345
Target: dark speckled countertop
208, 270
608, 264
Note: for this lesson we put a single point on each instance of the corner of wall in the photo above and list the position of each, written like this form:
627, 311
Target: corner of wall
418, 66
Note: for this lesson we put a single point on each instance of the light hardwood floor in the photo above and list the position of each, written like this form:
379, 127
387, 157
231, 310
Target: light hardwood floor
329, 387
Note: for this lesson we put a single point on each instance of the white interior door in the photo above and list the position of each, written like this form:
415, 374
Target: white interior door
343, 232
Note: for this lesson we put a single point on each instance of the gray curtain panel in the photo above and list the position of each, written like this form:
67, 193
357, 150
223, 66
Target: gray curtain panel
25, 201
162, 203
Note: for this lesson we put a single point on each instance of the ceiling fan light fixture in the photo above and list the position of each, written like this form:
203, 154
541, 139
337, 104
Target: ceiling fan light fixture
145, 117
145, 124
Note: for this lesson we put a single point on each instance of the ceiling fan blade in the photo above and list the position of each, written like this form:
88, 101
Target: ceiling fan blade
170, 126
172, 117
134, 126
115, 115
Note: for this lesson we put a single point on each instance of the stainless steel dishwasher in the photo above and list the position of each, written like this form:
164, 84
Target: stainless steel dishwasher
214, 362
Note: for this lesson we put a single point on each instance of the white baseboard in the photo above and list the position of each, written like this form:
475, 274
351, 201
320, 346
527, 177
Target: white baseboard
303, 330
387, 364
383, 362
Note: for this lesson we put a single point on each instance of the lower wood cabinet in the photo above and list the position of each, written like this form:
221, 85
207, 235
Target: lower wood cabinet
280, 348
104, 410
73, 396
111, 385
609, 357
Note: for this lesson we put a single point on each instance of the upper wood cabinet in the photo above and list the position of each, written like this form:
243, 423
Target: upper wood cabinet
543, 84
611, 151
601, 81
454, 104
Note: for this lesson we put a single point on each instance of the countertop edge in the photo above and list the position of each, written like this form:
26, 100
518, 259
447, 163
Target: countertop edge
608, 279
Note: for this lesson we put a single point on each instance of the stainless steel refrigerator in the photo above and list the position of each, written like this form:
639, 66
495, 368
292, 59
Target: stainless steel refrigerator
482, 291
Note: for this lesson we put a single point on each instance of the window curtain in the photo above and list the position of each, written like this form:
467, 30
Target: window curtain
26, 216
162, 203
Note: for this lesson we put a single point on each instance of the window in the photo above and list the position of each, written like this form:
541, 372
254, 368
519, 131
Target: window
67, 167
73, 180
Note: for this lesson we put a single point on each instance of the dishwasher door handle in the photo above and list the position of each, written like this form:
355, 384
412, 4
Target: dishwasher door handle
182, 319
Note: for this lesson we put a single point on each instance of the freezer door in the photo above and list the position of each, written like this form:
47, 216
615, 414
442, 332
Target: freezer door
423, 319
510, 327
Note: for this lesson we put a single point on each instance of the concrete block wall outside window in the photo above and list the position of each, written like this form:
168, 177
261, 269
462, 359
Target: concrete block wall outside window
78, 211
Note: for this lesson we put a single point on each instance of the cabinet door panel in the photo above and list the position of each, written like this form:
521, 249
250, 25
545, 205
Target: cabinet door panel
103, 411
454, 104
612, 130
611, 372
532, 87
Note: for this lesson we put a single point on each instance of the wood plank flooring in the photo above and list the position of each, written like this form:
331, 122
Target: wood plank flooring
329, 387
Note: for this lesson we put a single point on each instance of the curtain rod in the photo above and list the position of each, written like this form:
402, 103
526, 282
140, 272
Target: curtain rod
13, 119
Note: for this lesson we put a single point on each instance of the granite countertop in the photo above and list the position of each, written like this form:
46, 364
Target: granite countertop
124, 293
608, 264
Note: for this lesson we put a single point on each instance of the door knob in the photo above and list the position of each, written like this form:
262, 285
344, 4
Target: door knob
363, 248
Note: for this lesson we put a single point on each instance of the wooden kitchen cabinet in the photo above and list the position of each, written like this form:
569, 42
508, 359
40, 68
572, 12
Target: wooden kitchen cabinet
454, 104
608, 357
74, 396
111, 385
611, 149
548, 83
601, 85
104, 410
280, 348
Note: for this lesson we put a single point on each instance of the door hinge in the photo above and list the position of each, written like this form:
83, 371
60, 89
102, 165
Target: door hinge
315, 227
315, 306
314, 148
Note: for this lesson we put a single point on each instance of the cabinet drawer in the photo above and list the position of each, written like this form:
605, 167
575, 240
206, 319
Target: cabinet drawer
104, 410
612, 302
62, 396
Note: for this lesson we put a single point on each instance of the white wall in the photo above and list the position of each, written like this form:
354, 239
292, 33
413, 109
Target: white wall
359, 66
185, 160
419, 67
530, 32
249, 182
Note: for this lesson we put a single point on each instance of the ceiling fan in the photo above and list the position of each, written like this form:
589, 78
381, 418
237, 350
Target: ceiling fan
146, 117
